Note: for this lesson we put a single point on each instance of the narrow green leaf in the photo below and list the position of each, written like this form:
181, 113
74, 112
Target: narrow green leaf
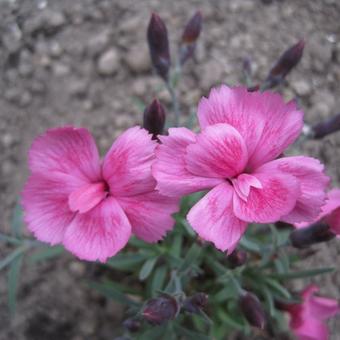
277, 287
134, 241
12, 286
46, 254
228, 319
12, 256
176, 246
156, 332
158, 279
10, 239
127, 261
189, 334
147, 268
16, 222
225, 294
108, 290
302, 273
192, 255
185, 225
269, 301
249, 245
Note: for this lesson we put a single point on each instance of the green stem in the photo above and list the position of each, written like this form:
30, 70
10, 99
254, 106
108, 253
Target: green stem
174, 100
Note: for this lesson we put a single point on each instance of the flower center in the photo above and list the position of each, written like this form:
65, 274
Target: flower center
243, 183
88, 196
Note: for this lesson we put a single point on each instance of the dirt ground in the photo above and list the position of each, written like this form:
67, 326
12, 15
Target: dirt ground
86, 63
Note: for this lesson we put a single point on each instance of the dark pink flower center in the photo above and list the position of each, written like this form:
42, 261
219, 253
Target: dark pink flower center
88, 196
242, 185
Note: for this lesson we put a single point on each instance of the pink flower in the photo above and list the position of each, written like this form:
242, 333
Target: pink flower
235, 155
92, 207
330, 212
308, 319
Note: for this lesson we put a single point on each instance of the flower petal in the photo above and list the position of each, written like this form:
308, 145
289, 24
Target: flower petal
283, 124
323, 308
237, 107
332, 203
46, 210
127, 165
99, 233
87, 197
333, 220
169, 169
150, 214
318, 307
213, 219
276, 198
310, 174
311, 329
219, 152
66, 150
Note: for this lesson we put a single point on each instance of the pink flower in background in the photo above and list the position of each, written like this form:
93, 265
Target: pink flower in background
235, 155
308, 319
330, 212
92, 207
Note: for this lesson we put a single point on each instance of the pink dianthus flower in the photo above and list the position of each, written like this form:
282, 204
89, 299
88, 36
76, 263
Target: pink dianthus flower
308, 319
92, 207
235, 156
330, 213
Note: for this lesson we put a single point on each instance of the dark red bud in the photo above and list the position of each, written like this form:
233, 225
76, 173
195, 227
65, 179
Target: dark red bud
154, 118
195, 303
189, 37
316, 233
159, 310
252, 310
237, 258
193, 29
131, 324
287, 61
157, 36
326, 127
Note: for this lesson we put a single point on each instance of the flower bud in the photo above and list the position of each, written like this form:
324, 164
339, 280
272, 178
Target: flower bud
159, 310
193, 29
154, 118
189, 37
316, 233
252, 310
326, 127
237, 258
157, 36
132, 324
288, 60
195, 303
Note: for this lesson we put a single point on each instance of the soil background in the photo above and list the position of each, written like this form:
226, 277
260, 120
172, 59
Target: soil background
86, 63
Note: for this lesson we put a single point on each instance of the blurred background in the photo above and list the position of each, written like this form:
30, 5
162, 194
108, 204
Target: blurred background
86, 63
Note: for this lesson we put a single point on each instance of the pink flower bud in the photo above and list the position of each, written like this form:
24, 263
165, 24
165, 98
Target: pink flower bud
195, 303
288, 60
316, 233
154, 118
326, 127
159, 310
189, 37
237, 258
252, 310
157, 36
